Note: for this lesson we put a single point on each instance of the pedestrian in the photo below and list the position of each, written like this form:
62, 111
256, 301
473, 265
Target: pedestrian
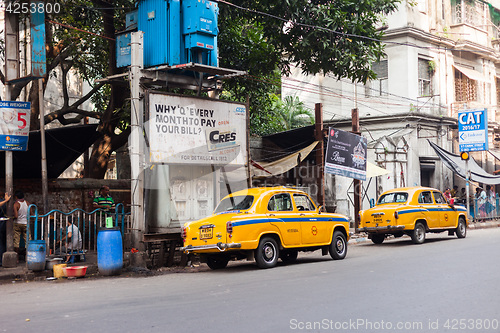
490, 201
463, 196
3, 226
72, 241
104, 200
20, 220
447, 194
454, 191
481, 202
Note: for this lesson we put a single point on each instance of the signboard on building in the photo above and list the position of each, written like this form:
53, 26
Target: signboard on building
473, 130
346, 154
191, 130
14, 125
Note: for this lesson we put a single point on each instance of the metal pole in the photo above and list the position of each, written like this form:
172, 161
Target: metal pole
136, 142
9, 258
357, 182
320, 157
467, 179
45, 191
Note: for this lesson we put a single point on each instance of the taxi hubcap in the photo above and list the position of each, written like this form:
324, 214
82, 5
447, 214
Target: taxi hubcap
340, 245
268, 251
420, 233
462, 227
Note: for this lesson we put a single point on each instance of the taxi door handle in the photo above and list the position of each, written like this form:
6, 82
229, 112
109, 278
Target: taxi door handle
272, 215
302, 214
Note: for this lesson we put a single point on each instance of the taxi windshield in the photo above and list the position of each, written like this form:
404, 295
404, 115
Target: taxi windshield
239, 202
396, 197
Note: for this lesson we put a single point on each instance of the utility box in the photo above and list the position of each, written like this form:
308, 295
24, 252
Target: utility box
199, 31
160, 20
123, 56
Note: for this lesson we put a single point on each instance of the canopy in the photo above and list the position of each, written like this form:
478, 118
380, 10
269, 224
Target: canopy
471, 74
373, 171
457, 165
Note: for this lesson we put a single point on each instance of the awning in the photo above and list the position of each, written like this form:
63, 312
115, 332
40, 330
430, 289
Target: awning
457, 165
278, 167
471, 74
373, 171
63, 146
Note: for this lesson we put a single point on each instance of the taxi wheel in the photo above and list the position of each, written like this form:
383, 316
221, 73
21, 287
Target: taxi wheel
289, 256
461, 230
338, 247
217, 262
267, 253
418, 234
378, 238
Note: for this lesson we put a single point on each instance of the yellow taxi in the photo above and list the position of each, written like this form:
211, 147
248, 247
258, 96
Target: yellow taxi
413, 211
264, 224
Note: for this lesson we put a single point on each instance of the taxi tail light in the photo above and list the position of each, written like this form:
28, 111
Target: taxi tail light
183, 233
396, 215
229, 228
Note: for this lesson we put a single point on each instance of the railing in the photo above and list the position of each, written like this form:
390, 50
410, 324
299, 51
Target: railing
488, 210
51, 226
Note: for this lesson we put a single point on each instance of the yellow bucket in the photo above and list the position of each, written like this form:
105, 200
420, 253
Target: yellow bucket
58, 270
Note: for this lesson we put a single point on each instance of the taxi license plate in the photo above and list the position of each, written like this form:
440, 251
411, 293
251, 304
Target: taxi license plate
377, 220
206, 233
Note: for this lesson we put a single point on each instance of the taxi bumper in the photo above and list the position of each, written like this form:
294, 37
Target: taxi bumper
219, 246
386, 228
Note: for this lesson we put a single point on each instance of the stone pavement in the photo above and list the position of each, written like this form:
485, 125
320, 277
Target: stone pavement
21, 273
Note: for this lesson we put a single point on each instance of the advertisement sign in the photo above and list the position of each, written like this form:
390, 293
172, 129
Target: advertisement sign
346, 154
190, 130
14, 125
473, 130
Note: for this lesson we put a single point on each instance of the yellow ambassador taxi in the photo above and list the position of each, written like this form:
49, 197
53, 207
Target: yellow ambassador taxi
264, 224
412, 211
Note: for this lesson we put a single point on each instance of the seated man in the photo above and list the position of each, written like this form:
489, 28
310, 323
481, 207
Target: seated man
72, 241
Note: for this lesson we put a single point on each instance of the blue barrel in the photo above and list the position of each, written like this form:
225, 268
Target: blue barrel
35, 255
109, 251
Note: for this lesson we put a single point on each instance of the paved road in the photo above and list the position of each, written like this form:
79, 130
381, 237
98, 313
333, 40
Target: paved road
443, 285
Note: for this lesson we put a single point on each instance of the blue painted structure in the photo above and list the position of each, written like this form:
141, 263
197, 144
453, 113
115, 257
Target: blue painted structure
199, 31
38, 58
35, 255
160, 20
175, 32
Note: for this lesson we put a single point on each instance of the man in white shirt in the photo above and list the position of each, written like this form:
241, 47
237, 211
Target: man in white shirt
72, 241
21, 219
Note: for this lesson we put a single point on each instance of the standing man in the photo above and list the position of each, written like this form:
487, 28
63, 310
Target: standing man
3, 226
104, 200
21, 219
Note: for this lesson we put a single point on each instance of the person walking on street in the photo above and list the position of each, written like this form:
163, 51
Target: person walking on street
21, 220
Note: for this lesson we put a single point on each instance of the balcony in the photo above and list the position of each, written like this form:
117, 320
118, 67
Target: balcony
469, 33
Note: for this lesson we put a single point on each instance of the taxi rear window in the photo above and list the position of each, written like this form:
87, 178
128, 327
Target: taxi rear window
239, 202
397, 197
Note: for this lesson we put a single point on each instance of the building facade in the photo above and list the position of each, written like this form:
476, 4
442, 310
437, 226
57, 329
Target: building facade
441, 57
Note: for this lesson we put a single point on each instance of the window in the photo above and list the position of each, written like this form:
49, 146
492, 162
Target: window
424, 77
303, 202
465, 88
439, 198
379, 86
280, 202
240, 202
399, 197
425, 198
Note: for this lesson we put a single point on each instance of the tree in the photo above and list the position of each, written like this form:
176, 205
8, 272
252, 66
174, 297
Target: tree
292, 113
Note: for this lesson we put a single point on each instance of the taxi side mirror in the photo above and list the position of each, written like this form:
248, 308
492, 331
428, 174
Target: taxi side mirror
321, 209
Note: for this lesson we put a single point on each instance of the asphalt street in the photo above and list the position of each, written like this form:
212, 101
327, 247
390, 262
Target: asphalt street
445, 284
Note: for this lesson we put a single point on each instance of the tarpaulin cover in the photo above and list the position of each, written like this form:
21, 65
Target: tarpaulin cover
63, 146
457, 165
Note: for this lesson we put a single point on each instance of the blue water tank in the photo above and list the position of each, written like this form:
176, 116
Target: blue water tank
109, 251
160, 20
199, 31
35, 255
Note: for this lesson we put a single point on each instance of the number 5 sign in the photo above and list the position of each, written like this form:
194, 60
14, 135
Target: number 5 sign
14, 125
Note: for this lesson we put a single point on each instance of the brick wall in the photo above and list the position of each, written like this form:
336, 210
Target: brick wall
68, 194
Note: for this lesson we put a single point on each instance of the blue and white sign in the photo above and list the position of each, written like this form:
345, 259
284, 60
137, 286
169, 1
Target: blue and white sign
14, 125
473, 130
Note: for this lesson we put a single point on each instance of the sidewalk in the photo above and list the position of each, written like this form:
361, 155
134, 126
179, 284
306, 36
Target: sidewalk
20, 273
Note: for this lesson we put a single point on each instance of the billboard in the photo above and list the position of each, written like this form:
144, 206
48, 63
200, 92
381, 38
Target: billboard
473, 130
346, 154
14, 125
192, 130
